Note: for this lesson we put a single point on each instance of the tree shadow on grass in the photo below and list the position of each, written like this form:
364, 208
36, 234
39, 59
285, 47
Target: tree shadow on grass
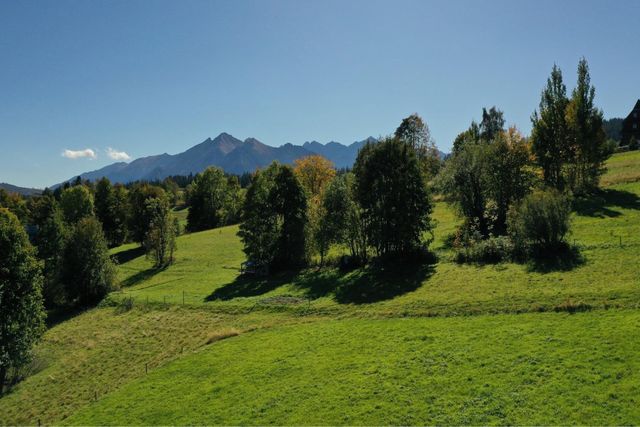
599, 204
140, 276
128, 255
564, 259
59, 314
361, 286
379, 283
250, 286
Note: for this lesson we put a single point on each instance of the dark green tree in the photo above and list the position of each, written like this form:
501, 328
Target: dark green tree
289, 200
549, 135
469, 136
465, 181
22, 319
15, 203
111, 210
160, 241
259, 229
274, 219
492, 124
395, 201
586, 133
87, 270
509, 177
234, 201
139, 220
50, 239
120, 215
342, 220
209, 200
76, 203
415, 132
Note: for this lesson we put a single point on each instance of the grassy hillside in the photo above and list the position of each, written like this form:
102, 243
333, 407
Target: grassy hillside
325, 347
606, 227
504, 369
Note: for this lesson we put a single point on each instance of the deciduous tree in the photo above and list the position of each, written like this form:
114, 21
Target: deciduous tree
22, 319
586, 133
88, 272
76, 203
160, 241
314, 173
392, 193
139, 220
274, 219
549, 135
209, 200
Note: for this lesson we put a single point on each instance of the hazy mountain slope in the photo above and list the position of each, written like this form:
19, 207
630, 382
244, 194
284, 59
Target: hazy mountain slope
20, 190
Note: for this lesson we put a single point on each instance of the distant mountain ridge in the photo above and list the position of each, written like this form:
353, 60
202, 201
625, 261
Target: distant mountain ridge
9, 188
226, 152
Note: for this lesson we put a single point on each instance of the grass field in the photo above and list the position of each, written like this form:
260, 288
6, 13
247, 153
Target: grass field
325, 347
399, 372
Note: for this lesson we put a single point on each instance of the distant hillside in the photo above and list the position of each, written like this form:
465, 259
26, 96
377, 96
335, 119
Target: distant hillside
20, 190
613, 128
227, 152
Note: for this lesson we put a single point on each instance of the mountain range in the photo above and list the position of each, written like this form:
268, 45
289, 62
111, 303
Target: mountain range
226, 152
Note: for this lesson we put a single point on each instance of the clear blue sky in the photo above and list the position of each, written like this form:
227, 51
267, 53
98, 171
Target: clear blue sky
147, 77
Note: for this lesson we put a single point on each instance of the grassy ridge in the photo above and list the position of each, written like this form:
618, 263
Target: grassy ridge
399, 372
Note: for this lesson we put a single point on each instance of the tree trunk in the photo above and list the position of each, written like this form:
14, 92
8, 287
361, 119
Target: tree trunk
3, 375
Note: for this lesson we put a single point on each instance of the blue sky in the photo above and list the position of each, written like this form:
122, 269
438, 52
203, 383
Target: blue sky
147, 77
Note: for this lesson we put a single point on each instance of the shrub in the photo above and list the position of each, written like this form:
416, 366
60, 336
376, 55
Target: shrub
491, 250
540, 222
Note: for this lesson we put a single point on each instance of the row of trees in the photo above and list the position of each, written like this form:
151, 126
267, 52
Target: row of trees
72, 234
568, 137
382, 207
64, 261
504, 184
214, 200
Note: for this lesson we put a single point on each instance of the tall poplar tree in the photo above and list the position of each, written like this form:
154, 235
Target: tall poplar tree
549, 136
586, 134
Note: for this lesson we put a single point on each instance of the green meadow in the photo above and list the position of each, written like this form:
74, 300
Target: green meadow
444, 343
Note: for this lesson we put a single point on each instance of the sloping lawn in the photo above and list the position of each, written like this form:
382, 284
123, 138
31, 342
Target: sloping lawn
533, 369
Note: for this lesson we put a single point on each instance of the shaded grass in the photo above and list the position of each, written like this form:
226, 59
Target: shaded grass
535, 369
102, 349
365, 285
603, 203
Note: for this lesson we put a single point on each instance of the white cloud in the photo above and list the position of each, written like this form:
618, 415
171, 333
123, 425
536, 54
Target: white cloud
78, 154
117, 155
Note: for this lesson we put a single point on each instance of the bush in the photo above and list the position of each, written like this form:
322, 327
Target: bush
491, 250
540, 222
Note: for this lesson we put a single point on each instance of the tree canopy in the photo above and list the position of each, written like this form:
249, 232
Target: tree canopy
21, 305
